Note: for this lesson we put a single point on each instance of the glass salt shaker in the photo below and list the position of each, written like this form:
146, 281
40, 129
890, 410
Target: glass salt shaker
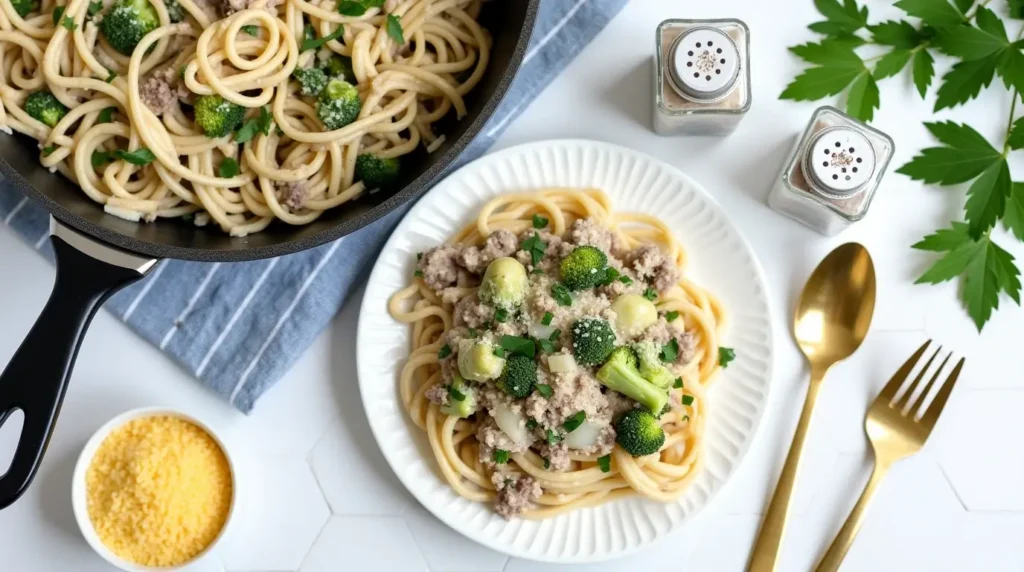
701, 76
833, 172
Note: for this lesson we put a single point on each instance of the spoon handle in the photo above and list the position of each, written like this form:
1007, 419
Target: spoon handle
769, 540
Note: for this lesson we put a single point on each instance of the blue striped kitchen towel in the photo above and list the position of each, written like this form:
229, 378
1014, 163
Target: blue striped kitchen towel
238, 327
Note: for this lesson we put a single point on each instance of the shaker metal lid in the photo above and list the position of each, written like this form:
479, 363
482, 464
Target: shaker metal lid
839, 161
704, 64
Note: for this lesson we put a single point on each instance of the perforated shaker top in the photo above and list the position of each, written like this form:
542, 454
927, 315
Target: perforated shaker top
705, 64
840, 161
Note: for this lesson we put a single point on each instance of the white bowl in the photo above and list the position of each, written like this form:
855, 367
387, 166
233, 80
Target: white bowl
78, 496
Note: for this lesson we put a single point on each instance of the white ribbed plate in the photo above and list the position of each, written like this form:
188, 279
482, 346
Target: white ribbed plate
720, 259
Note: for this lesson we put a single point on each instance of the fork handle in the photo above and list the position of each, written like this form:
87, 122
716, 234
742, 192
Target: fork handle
841, 544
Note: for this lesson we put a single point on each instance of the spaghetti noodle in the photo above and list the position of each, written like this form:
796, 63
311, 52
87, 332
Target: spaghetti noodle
412, 62
441, 312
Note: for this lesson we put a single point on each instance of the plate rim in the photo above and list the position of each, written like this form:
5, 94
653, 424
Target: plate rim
503, 155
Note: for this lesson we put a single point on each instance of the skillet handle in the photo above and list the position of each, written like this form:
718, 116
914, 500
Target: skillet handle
37, 376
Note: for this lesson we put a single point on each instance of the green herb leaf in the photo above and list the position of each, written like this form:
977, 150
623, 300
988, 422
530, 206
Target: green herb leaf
499, 351
546, 346
531, 423
501, 315
100, 158
986, 198
1013, 216
1016, 8
419, 256
725, 355
937, 13
473, 333
671, 316
537, 271
605, 463
95, 7
687, 400
678, 384
546, 320
924, 71
555, 335
610, 275
966, 155
516, 345
899, 34
892, 63
418, 274
844, 18
561, 294
536, 247
543, 389
552, 438
840, 66
963, 5
106, 115
989, 22
228, 168
500, 456
829, 52
251, 30
347, 8
69, 24
57, 13
539, 221
444, 352
314, 43
572, 423
651, 294
394, 26
140, 156
670, 351
455, 394
625, 280
111, 77
862, 100
965, 81
547, 463
258, 124
968, 42
48, 150
1011, 67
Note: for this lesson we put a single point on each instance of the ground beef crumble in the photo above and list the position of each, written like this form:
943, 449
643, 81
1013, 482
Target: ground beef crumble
651, 265
557, 456
499, 244
292, 195
515, 494
157, 94
437, 394
439, 268
593, 232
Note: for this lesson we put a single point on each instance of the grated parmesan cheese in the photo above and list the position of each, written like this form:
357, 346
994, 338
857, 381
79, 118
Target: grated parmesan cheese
158, 491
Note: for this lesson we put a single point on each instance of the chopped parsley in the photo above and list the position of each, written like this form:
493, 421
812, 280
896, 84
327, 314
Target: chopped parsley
456, 394
69, 24
552, 437
499, 351
140, 156
516, 345
605, 463
95, 7
625, 280
536, 247
650, 294
671, 316
546, 320
106, 115
544, 390
49, 149
418, 274
501, 315
687, 400
111, 77
546, 346
395, 31
314, 43
539, 221
500, 456
561, 294
228, 168
537, 271
547, 463
531, 423
357, 8
100, 158
473, 333
678, 383
725, 355
573, 423
251, 30
670, 351
419, 256
57, 13
444, 352
610, 275
258, 124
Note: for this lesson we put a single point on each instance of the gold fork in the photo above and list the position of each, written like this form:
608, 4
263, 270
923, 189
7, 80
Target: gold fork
897, 428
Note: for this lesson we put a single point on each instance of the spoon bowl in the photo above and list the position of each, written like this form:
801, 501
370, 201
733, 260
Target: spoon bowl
836, 305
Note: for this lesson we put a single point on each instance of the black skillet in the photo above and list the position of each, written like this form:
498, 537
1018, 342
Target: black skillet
98, 254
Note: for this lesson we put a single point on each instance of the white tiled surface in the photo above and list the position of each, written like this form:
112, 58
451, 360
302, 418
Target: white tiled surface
318, 496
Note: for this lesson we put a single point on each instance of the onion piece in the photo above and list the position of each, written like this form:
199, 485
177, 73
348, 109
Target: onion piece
512, 424
540, 331
562, 363
584, 436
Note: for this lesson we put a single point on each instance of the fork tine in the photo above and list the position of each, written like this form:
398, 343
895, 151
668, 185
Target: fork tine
890, 389
907, 399
935, 409
919, 401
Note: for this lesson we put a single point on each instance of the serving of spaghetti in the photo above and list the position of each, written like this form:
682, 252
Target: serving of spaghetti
236, 112
560, 355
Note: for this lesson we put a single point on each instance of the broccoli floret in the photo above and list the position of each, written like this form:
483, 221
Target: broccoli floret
339, 67
592, 340
377, 173
127, 22
460, 407
504, 284
45, 107
620, 374
478, 362
23, 7
633, 314
174, 11
651, 366
312, 80
519, 377
583, 268
639, 433
216, 116
339, 104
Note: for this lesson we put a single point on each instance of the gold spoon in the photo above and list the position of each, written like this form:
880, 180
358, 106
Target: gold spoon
832, 319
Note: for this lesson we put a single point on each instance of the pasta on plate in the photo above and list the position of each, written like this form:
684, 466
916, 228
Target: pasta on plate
560, 355
236, 112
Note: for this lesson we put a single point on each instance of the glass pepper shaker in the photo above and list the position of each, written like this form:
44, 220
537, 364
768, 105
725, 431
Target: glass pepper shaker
701, 76
833, 172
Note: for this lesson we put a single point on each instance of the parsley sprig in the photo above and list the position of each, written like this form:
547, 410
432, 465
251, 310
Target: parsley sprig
976, 38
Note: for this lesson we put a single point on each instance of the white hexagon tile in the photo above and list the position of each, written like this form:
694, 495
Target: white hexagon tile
365, 543
446, 550
281, 511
